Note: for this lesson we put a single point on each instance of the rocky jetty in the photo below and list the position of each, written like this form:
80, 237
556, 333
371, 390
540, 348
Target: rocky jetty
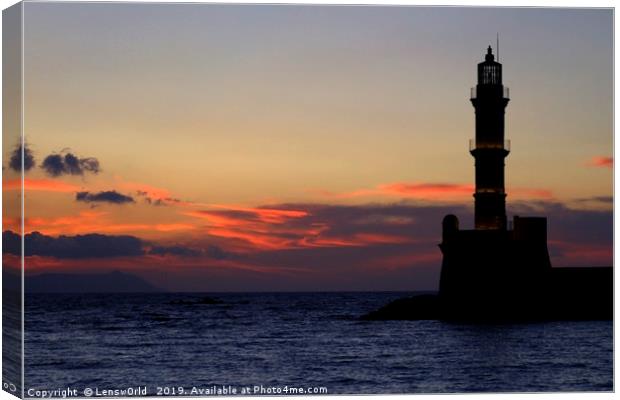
570, 294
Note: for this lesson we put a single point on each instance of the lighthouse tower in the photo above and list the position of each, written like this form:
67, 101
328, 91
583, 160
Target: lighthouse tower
499, 272
489, 148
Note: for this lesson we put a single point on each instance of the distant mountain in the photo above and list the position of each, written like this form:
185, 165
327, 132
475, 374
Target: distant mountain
11, 280
111, 282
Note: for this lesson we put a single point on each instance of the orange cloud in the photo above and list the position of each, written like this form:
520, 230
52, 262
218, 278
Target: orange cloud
173, 227
12, 262
276, 229
11, 224
601, 161
432, 191
426, 190
261, 240
262, 228
528, 193
68, 224
95, 221
151, 191
269, 215
235, 215
151, 194
214, 218
355, 240
44, 185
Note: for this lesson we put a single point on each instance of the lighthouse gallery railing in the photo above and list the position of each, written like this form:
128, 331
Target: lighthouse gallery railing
473, 92
475, 146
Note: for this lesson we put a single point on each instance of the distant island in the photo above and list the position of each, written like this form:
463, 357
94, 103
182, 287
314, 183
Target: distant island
110, 282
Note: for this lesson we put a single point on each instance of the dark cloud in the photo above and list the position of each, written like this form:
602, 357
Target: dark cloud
569, 224
604, 199
15, 162
97, 246
161, 202
72, 164
212, 251
54, 165
598, 199
11, 243
90, 164
156, 201
72, 247
217, 252
166, 201
400, 219
69, 164
109, 196
175, 251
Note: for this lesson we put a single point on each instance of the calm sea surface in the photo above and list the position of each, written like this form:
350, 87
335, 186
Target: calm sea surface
116, 341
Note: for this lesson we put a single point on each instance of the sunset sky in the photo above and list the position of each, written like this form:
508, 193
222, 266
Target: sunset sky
251, 148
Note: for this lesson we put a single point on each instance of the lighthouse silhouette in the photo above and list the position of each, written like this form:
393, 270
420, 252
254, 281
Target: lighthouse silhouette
489, 148
499, 271
485, 270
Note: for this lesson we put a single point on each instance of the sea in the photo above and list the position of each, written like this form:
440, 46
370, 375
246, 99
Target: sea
176, 344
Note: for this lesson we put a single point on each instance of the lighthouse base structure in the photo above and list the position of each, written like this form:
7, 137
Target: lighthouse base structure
506, 276
494, 274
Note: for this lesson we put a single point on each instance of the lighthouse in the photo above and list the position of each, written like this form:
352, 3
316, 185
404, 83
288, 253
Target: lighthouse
486, 270
499, 272
490, 148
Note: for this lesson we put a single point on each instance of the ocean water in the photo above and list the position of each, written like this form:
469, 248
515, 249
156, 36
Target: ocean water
116, 341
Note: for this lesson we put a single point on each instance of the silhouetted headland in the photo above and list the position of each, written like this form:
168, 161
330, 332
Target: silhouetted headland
570, 294
500, 271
